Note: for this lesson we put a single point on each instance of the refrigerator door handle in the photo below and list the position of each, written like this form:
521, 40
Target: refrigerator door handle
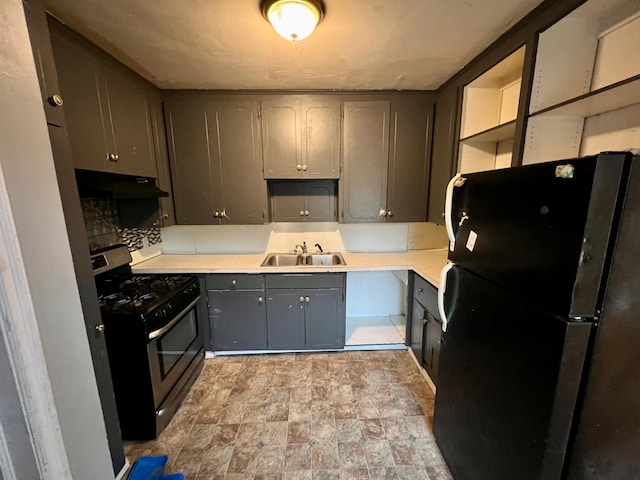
457, 181
441, 289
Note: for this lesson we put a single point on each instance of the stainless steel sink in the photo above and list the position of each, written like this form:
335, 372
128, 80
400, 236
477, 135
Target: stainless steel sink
291, 259
282, 260
324, 259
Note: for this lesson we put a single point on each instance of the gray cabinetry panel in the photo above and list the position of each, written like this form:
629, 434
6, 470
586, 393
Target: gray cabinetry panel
235, 282
431, 346
417, 327
426, 329
303, 201
444, 150
167, 211
305, 280
324, 318
365, 158
285, 320
106, 107
301, 137
216, 160
191, 167
409, 161
239, 189
238, 320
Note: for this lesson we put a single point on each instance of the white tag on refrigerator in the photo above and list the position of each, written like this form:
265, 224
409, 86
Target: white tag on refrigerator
471, 241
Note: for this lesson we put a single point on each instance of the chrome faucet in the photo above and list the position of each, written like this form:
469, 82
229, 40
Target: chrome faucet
303, 247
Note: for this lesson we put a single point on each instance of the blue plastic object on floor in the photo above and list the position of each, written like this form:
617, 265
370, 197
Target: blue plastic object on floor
173, 476
149, 468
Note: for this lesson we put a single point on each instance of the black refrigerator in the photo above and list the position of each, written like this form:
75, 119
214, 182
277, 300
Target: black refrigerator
540, 358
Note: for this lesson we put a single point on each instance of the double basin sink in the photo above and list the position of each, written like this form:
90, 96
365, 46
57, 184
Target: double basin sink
304, 259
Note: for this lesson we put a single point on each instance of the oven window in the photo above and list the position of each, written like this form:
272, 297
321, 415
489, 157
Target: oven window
173, 344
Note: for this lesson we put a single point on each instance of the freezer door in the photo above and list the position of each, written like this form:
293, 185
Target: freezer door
508, 381
541, 231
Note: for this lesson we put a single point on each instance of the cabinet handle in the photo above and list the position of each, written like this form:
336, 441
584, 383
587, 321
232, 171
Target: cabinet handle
306, 299
302, 299
382, 212
304, 168
306, 213
298, 167
302, 213
56, 100
260, 299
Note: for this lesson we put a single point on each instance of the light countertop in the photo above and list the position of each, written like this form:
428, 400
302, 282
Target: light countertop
426, 263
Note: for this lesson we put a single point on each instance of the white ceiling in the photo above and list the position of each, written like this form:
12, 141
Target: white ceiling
227, 44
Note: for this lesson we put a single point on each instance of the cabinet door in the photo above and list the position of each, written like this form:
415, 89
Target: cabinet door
281, 138
320, 201
167, 212
239, 190
129, 113
324, 318
409, 159
320, 138
79, 80
417, 326
287, 201
238, 320
445, 137
363, 185
285, 320
187, 132
431, 347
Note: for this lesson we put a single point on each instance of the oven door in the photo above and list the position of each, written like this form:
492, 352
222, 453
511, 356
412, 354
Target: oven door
171, 350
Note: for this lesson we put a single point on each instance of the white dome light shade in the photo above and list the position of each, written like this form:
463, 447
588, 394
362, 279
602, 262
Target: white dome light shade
294, 19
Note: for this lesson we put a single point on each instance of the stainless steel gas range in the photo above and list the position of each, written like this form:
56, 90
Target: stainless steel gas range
154, 340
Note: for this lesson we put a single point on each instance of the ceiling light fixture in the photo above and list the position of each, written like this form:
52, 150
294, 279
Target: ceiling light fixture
293, 19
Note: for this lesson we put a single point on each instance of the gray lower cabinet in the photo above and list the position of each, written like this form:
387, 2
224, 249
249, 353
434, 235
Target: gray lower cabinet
426, 328
303, 201
237, 312
386, 159
301, 136
216, 159
106, 107
306, 311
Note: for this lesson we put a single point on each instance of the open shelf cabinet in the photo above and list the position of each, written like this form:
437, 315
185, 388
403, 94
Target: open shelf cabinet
489, 111
586, 87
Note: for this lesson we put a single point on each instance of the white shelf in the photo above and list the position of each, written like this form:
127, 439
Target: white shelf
495, 134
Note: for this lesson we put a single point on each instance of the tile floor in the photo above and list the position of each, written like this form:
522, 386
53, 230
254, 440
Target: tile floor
330, 416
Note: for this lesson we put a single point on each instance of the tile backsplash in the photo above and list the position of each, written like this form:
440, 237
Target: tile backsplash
103, 226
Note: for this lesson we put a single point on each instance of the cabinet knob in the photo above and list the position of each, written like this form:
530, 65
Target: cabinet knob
425, 321
304, 168
301, 299
298, 167
260, 299
389, 213
117, 158
302, 213
420, 290
216, 214
112, 157
165, 216
100, 328
233, 283
56, 100
306, 299
306, 213
382, 212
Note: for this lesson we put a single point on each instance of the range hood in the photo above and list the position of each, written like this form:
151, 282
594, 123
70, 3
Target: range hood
99, 184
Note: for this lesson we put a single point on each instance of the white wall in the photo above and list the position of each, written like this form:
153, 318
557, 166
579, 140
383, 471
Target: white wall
27, 168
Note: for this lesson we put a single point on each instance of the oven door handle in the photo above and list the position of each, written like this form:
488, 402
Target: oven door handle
180, 316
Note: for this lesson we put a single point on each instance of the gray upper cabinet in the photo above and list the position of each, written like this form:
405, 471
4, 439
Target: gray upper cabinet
365, 150
167, 212
303, 201
106, 107
444, 147
214, 146
301, 137
409, 162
